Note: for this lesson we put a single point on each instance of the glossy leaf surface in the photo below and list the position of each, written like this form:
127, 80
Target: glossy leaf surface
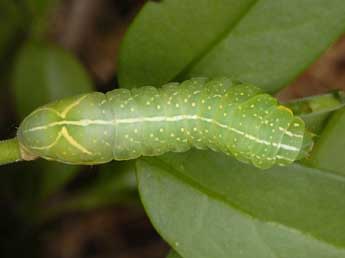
209, 205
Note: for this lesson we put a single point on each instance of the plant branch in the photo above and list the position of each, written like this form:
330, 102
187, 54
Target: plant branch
9, 151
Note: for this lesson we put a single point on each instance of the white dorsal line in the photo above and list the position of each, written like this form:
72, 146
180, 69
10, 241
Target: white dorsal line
86, 122
290, 133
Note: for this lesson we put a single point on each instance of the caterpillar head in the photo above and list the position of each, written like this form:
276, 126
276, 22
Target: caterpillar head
74, 130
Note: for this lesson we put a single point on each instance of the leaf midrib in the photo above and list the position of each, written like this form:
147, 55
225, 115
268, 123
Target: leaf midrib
213, 44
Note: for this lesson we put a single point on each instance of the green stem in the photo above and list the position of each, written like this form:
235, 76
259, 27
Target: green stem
9, 151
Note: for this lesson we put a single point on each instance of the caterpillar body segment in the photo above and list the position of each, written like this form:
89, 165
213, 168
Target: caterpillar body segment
235, 118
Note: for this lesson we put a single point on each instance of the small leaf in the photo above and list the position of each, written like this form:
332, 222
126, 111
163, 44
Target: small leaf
209, 205
265, 42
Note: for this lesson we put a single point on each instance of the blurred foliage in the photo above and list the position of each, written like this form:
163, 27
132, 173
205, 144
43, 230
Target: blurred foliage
46, 73
11, 22
113, 183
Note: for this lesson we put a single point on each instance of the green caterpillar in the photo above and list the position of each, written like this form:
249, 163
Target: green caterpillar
220, 114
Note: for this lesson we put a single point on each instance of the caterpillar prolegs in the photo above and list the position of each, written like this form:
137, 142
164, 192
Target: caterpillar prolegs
220, 114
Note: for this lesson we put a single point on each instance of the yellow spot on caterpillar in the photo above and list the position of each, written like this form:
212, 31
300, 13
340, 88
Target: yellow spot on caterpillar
285, 108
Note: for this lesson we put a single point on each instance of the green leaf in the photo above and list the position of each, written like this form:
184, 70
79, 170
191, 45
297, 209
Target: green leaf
329, 149
44, 73
173, 254
209, 205
266, 42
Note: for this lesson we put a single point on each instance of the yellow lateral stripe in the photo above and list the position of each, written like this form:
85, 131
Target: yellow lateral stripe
63, 133
50, 145
45, 109
73, 142
285, 108
71, 106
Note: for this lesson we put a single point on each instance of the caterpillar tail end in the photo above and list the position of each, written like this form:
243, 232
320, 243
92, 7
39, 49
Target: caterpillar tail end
307, 145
